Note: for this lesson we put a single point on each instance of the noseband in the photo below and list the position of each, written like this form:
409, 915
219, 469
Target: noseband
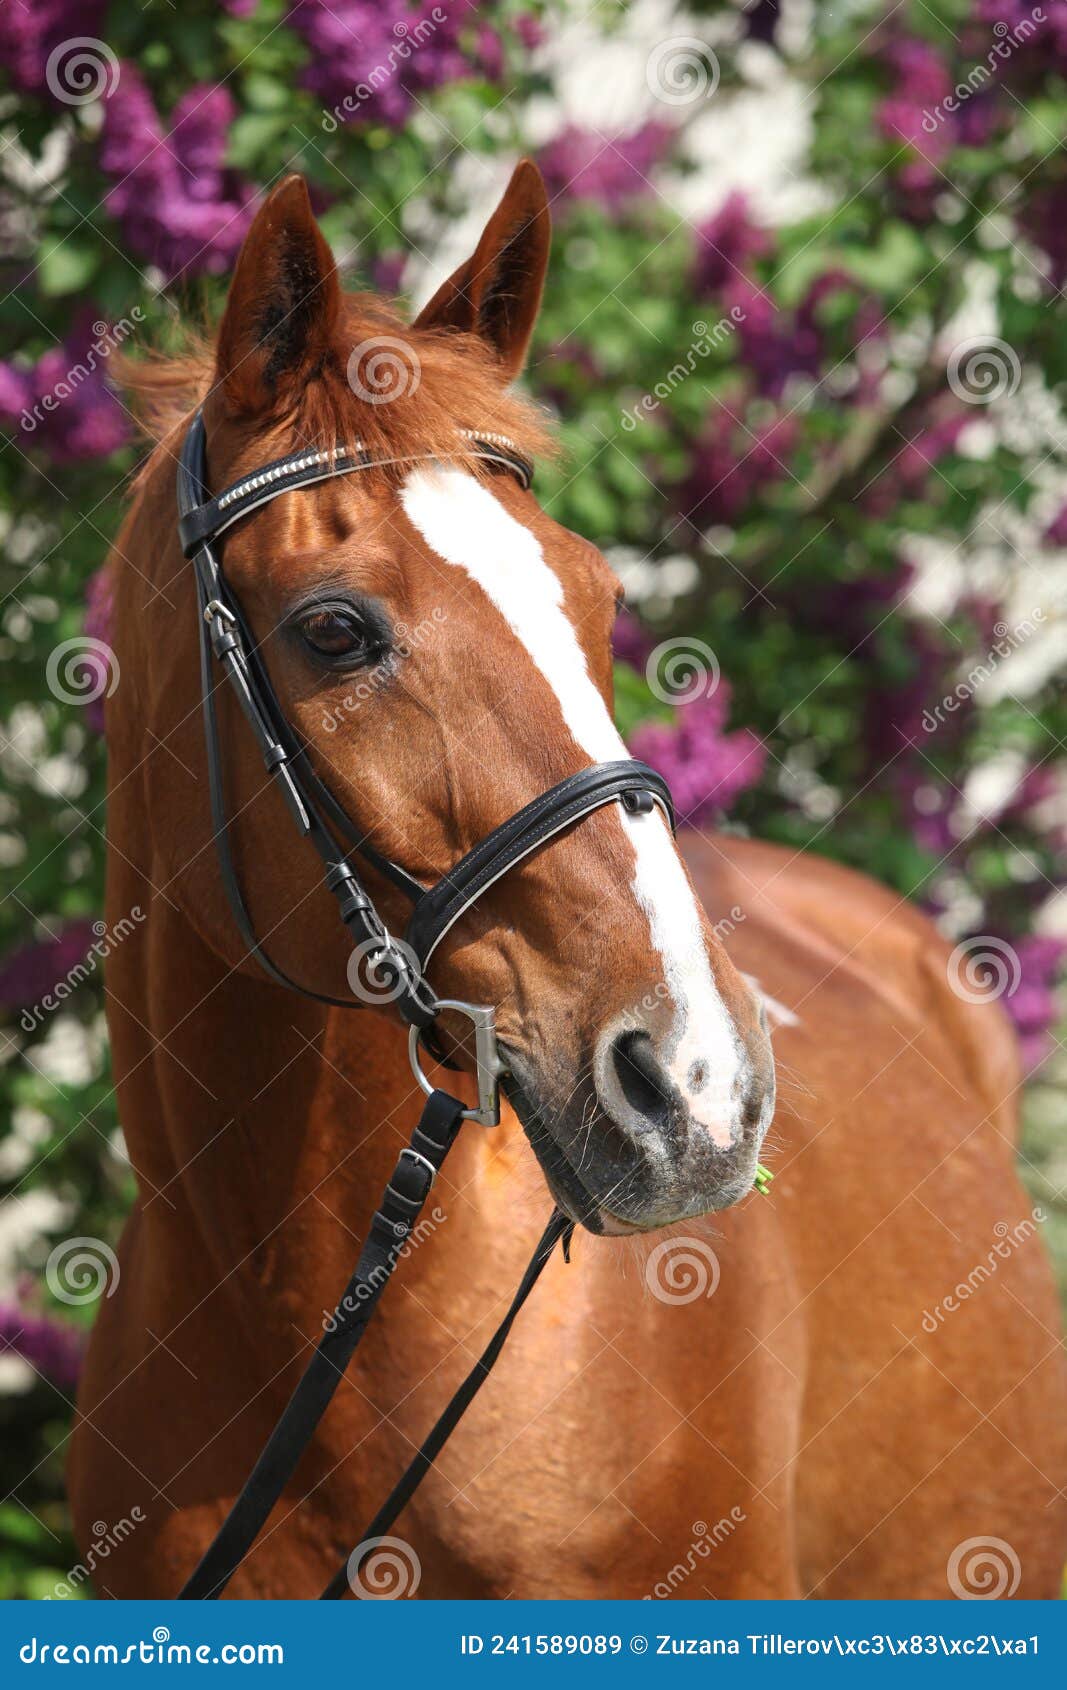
400, 967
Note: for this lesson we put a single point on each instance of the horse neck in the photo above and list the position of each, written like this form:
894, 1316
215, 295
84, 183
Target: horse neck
257, 1122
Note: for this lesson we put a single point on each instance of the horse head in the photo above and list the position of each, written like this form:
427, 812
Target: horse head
441, 647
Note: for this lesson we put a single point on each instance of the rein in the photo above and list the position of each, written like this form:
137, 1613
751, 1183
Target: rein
400, 966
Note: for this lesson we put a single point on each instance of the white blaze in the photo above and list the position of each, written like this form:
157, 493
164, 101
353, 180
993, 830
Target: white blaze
467, 526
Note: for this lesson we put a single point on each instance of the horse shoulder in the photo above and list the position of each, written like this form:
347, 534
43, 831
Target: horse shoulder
808, 930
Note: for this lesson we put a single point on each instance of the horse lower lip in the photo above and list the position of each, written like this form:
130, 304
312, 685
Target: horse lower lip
572, 1196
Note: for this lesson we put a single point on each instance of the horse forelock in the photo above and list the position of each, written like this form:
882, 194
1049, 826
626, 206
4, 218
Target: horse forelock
435, 382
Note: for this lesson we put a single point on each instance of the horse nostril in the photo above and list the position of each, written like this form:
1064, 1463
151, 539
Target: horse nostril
641, 1079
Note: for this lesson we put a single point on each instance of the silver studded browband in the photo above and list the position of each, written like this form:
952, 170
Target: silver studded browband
328, 460
204, 520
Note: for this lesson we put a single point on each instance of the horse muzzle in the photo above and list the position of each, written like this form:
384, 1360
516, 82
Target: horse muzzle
627, 1149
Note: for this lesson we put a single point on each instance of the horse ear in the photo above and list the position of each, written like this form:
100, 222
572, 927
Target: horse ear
283, 304
497, 293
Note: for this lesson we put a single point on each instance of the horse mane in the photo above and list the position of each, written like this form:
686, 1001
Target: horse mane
449, 381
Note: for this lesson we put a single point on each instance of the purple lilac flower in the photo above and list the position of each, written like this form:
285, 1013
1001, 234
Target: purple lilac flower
179, 208
1043, 216
63, 404
761, 20
489, 53
726, 245
631, 641
1033, 1005
731, 463
706, 767
606, 169
529, 31
565, 367
30, 30
777, 344
52, 1347
927, 808
848, 610
774, 343
916, 111
371, 58
28, 974
909, 113
1042, 40
896, 713
908, 472
1056, 532
1037, 786
978, 121
16, 390
387, 272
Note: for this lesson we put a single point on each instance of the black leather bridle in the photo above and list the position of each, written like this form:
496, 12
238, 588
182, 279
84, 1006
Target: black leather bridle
226, 640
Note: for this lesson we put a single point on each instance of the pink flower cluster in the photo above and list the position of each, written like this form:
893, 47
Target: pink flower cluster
731, 463
31, 30
582, 164
29, 974
52, 1347
371, 59
62, 403
1033, 1005
177, 205
707, 768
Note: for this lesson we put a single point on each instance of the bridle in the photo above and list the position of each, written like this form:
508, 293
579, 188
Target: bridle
400, 966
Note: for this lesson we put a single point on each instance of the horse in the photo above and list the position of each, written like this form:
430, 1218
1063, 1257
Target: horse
850, 1386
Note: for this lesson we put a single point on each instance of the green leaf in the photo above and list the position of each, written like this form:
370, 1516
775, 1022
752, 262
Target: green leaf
68, 265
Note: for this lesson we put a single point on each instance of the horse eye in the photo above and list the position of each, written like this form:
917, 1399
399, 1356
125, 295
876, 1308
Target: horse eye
335, 633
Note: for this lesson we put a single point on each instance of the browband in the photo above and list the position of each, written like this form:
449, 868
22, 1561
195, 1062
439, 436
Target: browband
205, 518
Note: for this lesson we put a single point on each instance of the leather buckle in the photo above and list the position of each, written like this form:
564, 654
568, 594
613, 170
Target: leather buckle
422, 1161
